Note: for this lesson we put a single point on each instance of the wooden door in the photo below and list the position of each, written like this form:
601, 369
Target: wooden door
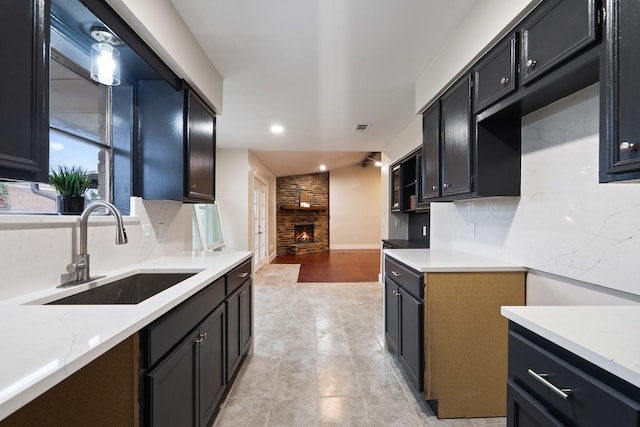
212, 372
201, 149
431, 152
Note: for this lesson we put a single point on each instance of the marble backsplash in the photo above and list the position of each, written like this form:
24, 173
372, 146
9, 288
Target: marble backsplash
35, 251
564, 222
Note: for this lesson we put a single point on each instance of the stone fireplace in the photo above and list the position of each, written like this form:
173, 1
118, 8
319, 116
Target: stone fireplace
303, 233
302, 229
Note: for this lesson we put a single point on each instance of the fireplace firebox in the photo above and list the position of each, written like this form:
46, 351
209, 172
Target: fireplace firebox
303, 233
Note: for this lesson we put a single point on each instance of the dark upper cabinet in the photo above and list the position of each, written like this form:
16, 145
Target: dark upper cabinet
619, 88
24, 106
495, 75
431, 152
161, 141
554, 32
395, 187
456, 138
176, 157
200, 143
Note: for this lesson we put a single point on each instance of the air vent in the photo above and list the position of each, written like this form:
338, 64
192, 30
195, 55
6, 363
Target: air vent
360, 127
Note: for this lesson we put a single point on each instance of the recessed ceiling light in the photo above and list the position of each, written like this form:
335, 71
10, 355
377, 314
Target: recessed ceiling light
277, 129
323, 167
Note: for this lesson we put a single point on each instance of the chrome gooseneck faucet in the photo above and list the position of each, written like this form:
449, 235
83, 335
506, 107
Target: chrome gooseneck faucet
81, 266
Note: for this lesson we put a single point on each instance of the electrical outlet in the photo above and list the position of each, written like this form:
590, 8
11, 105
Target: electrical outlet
146, 233
472, 230
424, 231
398, 223
162, 230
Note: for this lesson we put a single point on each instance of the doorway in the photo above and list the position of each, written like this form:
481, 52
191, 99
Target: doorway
259, 222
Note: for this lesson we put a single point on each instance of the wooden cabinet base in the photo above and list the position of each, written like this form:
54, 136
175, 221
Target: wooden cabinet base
466, 341
103, 393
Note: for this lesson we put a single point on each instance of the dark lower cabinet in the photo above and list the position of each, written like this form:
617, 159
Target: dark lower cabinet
548, 385
239, 326
189, 356
619, 88
212, 366
172, 387
524, 411
24, 106
404, 327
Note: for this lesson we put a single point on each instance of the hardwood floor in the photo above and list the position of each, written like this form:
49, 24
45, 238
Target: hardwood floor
361, 265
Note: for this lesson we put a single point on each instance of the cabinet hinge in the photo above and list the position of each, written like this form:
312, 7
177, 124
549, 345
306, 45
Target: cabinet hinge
602, 16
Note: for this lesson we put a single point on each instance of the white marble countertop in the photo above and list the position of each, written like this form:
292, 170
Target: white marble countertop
442, 260
607, 336
44, 344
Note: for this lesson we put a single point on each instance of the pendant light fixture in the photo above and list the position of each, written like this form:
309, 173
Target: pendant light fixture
105, 58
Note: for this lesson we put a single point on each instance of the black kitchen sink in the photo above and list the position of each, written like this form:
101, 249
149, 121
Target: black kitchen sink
129, 290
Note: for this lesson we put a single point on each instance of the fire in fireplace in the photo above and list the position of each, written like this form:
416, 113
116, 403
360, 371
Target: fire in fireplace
303, 233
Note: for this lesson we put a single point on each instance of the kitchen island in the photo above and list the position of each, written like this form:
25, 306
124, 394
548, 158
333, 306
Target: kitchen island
442, 318
45, 344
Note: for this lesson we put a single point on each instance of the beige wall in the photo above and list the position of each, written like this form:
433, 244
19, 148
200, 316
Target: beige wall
232, 184
355, 196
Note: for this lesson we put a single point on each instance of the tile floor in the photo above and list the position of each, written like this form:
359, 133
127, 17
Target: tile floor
318, 360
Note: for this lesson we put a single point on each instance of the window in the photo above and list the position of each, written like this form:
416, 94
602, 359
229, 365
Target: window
79, 135
207, 230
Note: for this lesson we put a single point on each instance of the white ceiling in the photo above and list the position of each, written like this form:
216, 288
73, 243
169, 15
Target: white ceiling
318, 67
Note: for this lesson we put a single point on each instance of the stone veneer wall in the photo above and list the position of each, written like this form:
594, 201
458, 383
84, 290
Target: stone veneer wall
288, 191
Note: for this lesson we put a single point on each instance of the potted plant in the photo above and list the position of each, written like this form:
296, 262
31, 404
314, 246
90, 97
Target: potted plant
70, 182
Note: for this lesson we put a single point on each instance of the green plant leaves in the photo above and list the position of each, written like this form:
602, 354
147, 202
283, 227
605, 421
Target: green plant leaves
70, 180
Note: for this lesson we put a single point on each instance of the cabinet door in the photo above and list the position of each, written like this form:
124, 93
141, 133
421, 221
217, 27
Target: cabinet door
212, 373
495, 76
456, 139
411, 337
553, 33
161, 151
172, 387
391, 316
620, 111
24, 106
431, 152
524, 411
245, 317
395, 188
201, 150
234, 348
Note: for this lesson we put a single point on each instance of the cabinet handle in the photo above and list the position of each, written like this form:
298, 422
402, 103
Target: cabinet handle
201, 338
628, 146
243, 275
243, 293
193, 186
562, 392
504, 81
396, 293
396, 274
445, 186
434, 187
532, 63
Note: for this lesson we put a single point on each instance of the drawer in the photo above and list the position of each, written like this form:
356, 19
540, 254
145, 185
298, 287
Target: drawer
587, 401
553, 33
411, 280
237, 276
495, 76
169, 330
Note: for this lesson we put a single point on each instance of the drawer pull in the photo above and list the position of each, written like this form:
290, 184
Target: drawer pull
562, 392
396, 274
628, 146
504, 81
396, 293
243, 275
